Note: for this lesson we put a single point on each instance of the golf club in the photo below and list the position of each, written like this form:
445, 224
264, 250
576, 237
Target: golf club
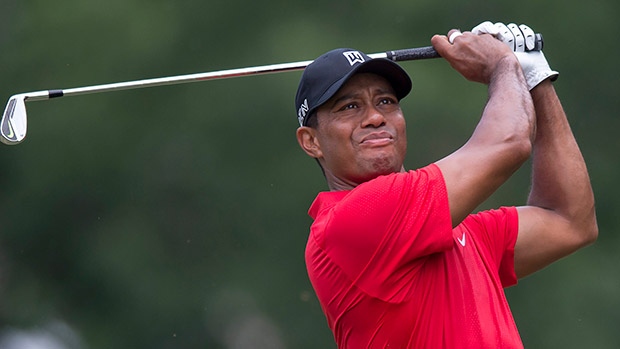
14, 123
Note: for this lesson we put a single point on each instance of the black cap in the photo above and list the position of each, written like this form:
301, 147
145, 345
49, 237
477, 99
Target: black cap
324, 77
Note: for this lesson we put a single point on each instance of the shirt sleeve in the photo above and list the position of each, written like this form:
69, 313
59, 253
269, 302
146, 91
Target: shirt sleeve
497, 230
379, 231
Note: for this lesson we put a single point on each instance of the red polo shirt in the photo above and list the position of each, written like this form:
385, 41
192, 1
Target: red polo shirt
390, 272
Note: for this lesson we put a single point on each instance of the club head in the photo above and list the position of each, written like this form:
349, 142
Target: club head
14, 123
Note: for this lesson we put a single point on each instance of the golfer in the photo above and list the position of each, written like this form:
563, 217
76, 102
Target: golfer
397, 257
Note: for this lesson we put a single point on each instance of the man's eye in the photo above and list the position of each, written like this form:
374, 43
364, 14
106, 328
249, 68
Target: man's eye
349, 106
386, 101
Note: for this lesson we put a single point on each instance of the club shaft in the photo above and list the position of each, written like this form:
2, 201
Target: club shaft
398, 55
180, 79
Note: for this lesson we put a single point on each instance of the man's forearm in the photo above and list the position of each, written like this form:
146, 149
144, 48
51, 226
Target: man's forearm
560, 180
510, 105
500, 144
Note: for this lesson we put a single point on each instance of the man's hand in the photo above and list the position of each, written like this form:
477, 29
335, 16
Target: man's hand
520, 39
476, 57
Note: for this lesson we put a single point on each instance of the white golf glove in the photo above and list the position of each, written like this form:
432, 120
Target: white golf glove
521, 39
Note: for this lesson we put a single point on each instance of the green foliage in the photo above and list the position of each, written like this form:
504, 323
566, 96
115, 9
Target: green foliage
175, 217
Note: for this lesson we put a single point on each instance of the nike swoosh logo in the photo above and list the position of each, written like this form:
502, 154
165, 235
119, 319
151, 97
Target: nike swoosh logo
462, 240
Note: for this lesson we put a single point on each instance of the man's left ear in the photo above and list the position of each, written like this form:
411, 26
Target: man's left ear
306, 137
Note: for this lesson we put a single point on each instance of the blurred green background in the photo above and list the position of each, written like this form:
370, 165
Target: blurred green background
175, 217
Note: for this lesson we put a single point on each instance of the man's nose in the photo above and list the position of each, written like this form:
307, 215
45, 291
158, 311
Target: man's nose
373, 118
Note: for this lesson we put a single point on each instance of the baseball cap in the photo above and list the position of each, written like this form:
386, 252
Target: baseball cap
325, 75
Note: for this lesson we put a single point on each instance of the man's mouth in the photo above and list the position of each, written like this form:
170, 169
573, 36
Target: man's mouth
378, 138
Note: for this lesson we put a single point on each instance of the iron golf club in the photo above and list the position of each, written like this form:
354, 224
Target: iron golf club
14, 122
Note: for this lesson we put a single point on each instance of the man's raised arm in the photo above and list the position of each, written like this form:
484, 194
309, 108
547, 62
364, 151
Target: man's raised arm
502, 140
560, 216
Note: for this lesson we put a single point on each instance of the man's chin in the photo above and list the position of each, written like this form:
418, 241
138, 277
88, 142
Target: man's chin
381, 168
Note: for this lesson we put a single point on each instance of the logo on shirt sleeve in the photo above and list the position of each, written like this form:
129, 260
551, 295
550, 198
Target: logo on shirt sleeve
461, 240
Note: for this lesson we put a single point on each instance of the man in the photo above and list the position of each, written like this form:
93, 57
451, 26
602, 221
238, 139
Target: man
396, 257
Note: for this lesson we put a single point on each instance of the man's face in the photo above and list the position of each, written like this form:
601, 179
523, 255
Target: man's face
361, 131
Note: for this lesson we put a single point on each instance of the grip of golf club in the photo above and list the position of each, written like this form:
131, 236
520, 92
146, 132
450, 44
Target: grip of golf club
410, 54
426, 52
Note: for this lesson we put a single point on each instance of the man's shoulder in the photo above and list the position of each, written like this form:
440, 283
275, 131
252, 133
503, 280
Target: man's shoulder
430, 172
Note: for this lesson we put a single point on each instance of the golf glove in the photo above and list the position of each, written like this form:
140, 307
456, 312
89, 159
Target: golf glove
521, 40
